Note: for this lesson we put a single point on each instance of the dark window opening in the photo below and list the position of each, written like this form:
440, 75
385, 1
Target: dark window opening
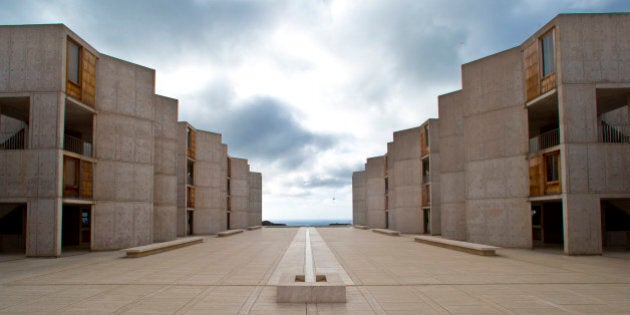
74, 59
551, 162
546, 44
190, 173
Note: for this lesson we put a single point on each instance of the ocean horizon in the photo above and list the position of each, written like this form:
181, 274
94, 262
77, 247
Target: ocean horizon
318, 222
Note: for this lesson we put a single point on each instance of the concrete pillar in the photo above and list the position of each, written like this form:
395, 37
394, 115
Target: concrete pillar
43, 226
582, 224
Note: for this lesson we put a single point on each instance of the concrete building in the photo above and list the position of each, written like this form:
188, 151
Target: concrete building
535, 147
88, 151
359, 206
403, 184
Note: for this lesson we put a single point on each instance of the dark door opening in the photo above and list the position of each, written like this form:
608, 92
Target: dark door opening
13, 228
228, 221
615, 224
426, 221
76, 222
387, 219
547, 224
189, 222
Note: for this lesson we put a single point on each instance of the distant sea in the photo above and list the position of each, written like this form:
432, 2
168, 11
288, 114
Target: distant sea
311, 222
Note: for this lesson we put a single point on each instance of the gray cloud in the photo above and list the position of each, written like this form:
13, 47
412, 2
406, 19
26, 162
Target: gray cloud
264, 128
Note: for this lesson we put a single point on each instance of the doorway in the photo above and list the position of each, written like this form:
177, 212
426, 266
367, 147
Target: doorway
76, 227
615, 224
13, 228
426, 221
189, 222
547, 224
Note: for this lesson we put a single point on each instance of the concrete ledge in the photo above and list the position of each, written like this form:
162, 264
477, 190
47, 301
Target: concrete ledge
311, 293
255, 227
156, 248
229, 232
386, 232
361, 227
472, 248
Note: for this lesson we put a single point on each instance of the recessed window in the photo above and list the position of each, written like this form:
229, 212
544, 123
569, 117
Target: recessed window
546, 44
553, 171
74, 54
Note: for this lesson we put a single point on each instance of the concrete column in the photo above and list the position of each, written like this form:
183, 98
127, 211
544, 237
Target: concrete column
582, 224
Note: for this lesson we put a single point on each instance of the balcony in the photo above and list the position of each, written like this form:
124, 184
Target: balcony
609, 133
544, 141
76, 145
14, 140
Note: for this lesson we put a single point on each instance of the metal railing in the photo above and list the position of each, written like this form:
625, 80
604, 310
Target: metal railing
14, 140
609, 133
544, 141
76, 145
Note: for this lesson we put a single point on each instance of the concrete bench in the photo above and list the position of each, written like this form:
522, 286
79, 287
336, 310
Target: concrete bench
472, 248
229, 232
156, 248
361, 227
386, 232
255, 227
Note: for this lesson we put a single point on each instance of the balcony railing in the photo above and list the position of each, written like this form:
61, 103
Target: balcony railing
609, 133
544, 141
14, 140
76, 145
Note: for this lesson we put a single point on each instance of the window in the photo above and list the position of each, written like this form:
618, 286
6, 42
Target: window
74, 57
190, 173
553, 171
546, 44
386, 185
426, 136
188, 138
425, 171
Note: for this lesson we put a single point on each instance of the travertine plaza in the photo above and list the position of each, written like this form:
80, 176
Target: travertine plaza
534, 150
390, 275
91, 157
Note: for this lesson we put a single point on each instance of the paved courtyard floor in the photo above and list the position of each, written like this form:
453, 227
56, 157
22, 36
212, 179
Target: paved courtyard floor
391, 275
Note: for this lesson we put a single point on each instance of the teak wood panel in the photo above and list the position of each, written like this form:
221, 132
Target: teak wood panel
426, 195
190, 151
532, 71
85, 91
86, 179
88, 78
424, 148
548, 83
190, 194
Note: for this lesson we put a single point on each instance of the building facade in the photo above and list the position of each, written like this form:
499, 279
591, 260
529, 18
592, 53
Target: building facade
534, 149
88, 151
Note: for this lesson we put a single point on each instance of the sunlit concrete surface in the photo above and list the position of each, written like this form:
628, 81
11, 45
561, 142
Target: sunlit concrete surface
391, 275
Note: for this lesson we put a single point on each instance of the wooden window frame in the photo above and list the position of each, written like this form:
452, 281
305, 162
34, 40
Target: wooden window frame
542, 54
70, 41
558, 171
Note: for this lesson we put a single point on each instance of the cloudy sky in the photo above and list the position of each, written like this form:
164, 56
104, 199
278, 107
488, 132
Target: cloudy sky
304, 89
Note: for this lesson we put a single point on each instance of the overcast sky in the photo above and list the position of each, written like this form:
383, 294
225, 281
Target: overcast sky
304, 89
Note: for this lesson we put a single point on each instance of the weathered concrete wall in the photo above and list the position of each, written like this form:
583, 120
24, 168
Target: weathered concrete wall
32, 58
452, 176
359, 207
375, 198
255, 199
495, 142
209, 179
239, 188
434, 177
124, 146
32, 64
592, 48
165, 176
181, 173
405, 181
